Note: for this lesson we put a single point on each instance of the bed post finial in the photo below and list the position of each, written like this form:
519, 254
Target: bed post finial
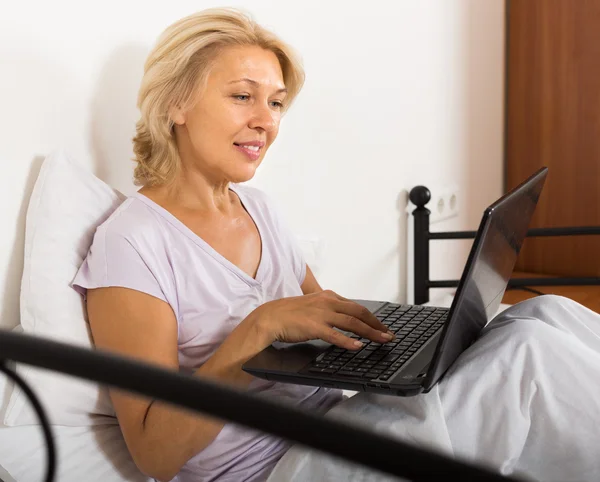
420, 196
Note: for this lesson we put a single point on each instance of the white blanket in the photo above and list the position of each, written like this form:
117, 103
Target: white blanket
524, 399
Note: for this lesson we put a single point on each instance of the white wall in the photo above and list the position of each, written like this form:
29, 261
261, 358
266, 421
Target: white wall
398, 93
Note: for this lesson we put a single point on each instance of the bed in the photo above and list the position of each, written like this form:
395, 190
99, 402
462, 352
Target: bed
90, 446
93, 453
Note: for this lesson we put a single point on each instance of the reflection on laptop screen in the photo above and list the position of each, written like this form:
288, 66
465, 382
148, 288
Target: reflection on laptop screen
491, 263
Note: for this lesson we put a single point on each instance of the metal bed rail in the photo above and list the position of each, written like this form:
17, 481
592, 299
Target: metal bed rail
420, 196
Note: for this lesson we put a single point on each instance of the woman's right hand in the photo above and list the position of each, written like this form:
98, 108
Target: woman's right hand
315, 316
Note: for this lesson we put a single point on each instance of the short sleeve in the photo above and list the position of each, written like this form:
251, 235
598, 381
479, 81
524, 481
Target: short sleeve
113, 261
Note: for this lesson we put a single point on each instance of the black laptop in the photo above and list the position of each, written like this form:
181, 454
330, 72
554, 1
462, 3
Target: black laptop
428, 339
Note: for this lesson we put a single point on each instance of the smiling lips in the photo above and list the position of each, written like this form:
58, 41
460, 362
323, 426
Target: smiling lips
251, 149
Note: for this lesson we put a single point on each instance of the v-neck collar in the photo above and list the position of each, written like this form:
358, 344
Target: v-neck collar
173, 220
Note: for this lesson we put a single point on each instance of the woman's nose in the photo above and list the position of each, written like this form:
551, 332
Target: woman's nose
263, 117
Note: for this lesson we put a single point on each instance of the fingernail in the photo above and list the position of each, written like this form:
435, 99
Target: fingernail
358, 344
387, 336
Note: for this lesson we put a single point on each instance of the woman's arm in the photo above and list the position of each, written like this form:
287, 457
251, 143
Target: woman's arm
160, 437
310, 284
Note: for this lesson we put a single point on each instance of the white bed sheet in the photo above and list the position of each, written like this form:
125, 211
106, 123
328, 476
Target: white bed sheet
90, 454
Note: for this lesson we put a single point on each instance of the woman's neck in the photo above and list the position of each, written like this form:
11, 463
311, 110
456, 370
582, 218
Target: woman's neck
192, 194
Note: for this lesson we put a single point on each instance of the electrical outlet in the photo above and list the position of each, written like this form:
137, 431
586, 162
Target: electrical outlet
444, 204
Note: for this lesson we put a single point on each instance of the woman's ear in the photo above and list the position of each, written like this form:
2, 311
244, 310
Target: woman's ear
177, 115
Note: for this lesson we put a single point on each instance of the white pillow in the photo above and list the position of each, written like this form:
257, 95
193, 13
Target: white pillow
67, 204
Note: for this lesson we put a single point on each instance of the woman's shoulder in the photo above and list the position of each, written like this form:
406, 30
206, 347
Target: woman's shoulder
131, 220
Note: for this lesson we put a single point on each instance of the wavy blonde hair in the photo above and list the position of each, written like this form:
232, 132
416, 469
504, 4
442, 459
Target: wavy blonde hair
175, 71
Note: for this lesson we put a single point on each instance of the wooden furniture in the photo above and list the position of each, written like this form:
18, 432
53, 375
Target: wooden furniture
586, 295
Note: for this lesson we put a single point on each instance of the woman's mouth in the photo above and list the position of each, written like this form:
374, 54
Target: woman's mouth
252, 151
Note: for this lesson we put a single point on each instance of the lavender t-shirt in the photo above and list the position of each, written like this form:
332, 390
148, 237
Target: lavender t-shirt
144, 247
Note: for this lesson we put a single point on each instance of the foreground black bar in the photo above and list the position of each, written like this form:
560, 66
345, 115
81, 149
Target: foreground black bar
515, 282
352, 443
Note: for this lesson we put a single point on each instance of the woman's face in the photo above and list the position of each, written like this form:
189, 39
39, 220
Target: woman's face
236, 118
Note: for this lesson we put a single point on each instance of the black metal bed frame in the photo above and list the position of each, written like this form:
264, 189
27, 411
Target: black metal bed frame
420, 196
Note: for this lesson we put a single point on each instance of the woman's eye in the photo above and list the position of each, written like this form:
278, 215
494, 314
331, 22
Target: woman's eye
241, 97
277, 104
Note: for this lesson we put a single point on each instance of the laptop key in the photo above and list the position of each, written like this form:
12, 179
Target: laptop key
346, 373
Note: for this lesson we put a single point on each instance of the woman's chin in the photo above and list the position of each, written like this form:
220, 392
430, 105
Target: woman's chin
244, 173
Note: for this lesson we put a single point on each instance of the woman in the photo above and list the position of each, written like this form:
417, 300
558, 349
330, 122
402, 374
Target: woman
197, 272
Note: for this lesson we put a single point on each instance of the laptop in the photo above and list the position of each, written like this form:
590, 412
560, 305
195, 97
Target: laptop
428, 339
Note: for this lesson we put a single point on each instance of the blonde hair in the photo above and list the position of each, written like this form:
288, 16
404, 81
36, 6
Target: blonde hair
175, 70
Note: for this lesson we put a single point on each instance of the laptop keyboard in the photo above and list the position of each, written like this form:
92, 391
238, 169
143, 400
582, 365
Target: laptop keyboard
412, 325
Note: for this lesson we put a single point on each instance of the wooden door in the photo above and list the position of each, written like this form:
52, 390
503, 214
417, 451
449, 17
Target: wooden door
553, 119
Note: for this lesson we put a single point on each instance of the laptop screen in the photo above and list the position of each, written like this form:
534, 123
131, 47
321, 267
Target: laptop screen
488, 269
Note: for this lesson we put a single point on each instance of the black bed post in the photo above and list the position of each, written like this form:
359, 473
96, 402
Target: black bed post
420, 196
